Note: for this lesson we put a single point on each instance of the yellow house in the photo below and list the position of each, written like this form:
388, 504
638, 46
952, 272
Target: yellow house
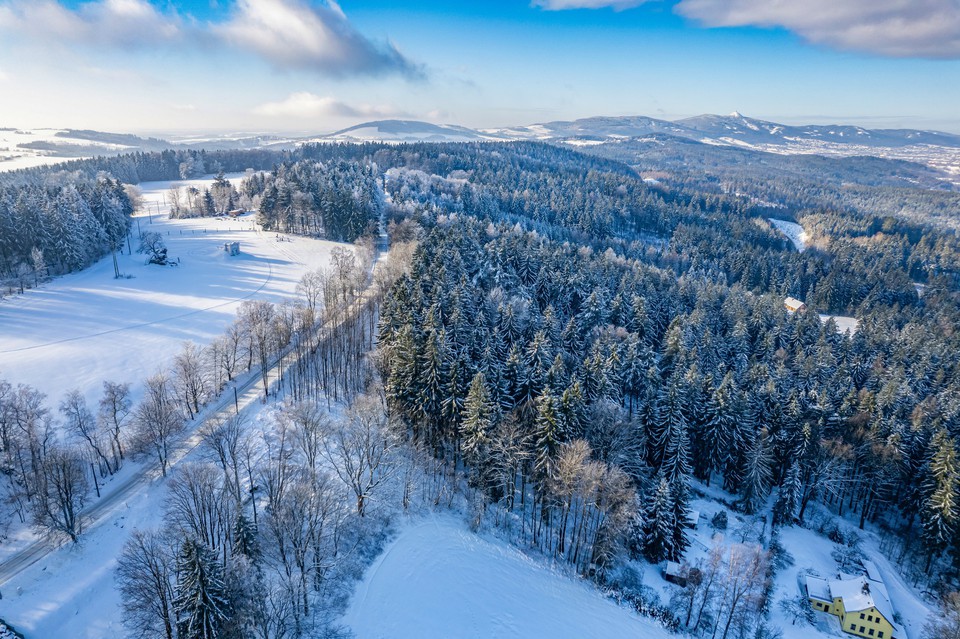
793, 305
862, 603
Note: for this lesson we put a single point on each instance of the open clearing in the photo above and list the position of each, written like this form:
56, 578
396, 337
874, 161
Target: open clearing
793, 231
85, 327
438, 579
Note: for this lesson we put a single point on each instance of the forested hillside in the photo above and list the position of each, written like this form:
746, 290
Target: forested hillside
587, 348
531, 335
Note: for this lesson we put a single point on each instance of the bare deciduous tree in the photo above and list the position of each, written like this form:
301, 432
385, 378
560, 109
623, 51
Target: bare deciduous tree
361, 449
945, 625
227, 443
157, 419
189, 377
742, 589
145, 578
257, 317
311, 287
114, 409
61, 493
198, 506
80, 421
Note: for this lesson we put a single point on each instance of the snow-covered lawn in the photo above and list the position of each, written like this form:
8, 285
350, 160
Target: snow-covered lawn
83, 328
844, 323
793, 231
438, 579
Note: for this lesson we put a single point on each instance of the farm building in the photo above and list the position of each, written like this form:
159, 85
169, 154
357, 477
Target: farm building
793, 305
861, 603
232, 248
675, 573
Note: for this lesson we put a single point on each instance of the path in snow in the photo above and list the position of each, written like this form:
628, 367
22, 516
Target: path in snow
793, 231
438, 579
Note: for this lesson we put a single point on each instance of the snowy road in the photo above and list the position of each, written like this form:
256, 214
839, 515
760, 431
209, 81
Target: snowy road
103, 509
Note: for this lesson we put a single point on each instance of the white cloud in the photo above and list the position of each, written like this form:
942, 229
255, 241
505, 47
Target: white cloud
896, 28
124, 23
899, 28
4, 76
289, 34
298, 35
560, 5
305, 105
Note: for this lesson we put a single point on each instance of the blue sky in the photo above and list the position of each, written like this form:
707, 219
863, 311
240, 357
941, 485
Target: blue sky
315, 66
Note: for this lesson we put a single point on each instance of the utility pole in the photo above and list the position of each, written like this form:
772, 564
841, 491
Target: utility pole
95, 484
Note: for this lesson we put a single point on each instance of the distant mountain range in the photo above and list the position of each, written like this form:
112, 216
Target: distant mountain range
27, 148
734, 129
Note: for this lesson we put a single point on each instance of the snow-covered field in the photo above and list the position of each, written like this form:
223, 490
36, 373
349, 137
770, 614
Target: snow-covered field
81, 329
438, 579
844, 323
13, 156
793, 231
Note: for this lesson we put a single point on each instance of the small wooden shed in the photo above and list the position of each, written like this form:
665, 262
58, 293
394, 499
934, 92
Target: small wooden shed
232, 248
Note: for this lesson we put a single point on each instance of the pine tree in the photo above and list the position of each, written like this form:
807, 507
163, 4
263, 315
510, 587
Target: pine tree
201, 603
546, 438
656, 523
245, 538
785, 510
939, 512
480, 417
757, 476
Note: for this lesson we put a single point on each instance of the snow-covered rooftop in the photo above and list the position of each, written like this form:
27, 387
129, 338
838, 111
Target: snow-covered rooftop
818, 588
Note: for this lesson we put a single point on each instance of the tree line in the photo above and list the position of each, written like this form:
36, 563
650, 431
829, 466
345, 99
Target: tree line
59, 227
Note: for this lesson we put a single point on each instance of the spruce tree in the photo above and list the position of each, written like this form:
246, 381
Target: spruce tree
245, 538
718, 428
657, 523
757, 476
939, 512
785, 510
480, 417
676, 454
200, 603
680, 502
546, 438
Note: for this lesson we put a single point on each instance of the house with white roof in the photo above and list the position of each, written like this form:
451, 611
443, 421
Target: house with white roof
861, 603
793, 305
